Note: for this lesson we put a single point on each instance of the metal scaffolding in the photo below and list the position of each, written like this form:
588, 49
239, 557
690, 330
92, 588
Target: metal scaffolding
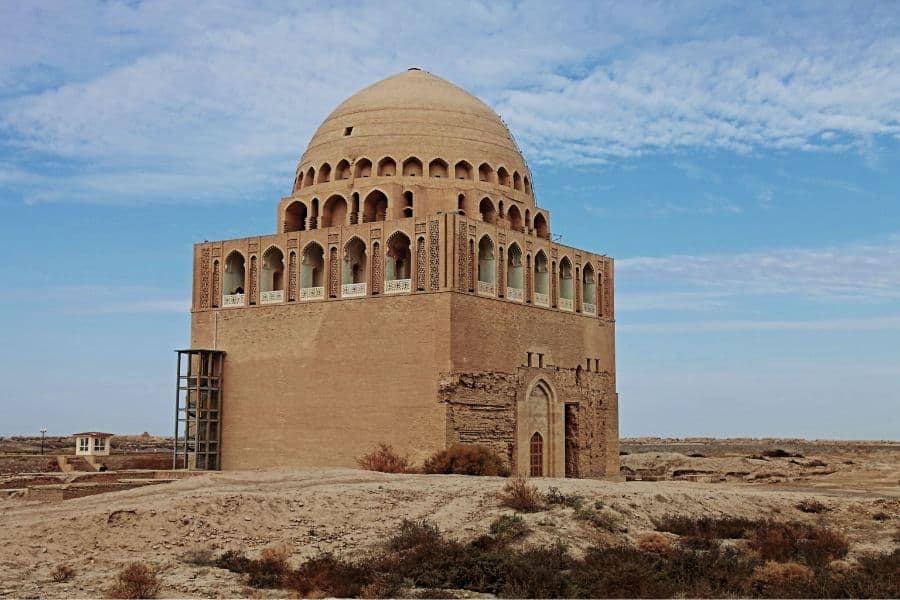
198, 409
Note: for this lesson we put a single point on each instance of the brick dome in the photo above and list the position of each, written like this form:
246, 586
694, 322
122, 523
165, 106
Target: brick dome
416, 115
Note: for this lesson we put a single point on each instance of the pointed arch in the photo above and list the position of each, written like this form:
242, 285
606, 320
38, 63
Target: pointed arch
363, 167
462, 170
588, 290
355, 263
515, 283
487, 211
503, 176
566, 284
514, 218
342, 171
387, 167
324, 173
235, 276
310, 177
334, 211
462, 204
527, 185
398, 261
541, 279
375, 206
407, 204
271, 277
485, 173
295, 216
517, 181
412, 167
438, 168
541, 229
536, 455
487, 262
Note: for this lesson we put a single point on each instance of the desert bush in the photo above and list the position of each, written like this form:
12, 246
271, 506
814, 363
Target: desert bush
792, 541
330, 576
384, 459
601, 518
520, 496
413, 534
62, 573
233, 560
881, 516
554, 496
655, 543
199, 556
780, 453
270, 569
463, 459
706, 527
812, 506
782, 580
135, 580
508, 528
875, 576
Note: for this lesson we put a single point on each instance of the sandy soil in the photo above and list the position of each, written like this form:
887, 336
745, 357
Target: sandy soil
351, 512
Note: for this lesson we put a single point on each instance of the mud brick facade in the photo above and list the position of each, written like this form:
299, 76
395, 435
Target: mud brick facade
411, 295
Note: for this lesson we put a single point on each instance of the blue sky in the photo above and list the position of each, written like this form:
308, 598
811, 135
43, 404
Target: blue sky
740, 161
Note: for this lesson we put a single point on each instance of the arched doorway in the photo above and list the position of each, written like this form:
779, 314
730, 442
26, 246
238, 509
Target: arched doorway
536, 455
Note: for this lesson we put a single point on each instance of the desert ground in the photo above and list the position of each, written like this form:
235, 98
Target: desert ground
351, 512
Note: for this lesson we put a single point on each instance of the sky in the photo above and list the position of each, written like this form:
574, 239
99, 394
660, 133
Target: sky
741, 162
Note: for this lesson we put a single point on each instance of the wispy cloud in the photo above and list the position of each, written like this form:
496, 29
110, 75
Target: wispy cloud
230, 93
98, 299
891, 323
857, 271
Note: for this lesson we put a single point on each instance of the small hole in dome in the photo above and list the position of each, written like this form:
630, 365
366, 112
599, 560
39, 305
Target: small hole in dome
348, 130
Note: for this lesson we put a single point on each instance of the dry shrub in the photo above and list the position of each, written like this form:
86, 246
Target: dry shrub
327, 576
723, 528
812, 506
62, 573
270, 569
779, 453
881, 516
462, 459
520, 496
782, 580
508, 528
600, 517
384, 459
554, 496
655, 543
199, 556
233, 560
136, 580
788, 541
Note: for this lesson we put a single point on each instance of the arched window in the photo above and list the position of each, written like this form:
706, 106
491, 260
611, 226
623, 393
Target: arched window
235, 280
342, 171
272, 276
298, 181
312, 273
398, 264
325, 173
540, 226
412, 167
517, 181
500, 212
353, 273
485, 173
375, 207
354, 208
407, 204
515, 283
295, 217
363, 167
536, 453
487, 267
527, 220
437, 168
486, 208
514, 218
387, 167
588, 290
527, 185
541, 279
334, 212
566, 285
314, 214
462, 170
503, 176
461, 204
310, 177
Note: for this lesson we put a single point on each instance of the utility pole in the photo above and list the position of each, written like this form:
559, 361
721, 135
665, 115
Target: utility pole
43, 433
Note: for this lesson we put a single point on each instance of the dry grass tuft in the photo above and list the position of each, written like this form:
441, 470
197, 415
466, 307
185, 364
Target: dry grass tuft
199, 556
384, 459
466, 460
62, 573
782, 580
655, 543
520, 496
136, 580
812, 506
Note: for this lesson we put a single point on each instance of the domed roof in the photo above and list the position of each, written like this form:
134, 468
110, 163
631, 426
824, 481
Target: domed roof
414, 113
